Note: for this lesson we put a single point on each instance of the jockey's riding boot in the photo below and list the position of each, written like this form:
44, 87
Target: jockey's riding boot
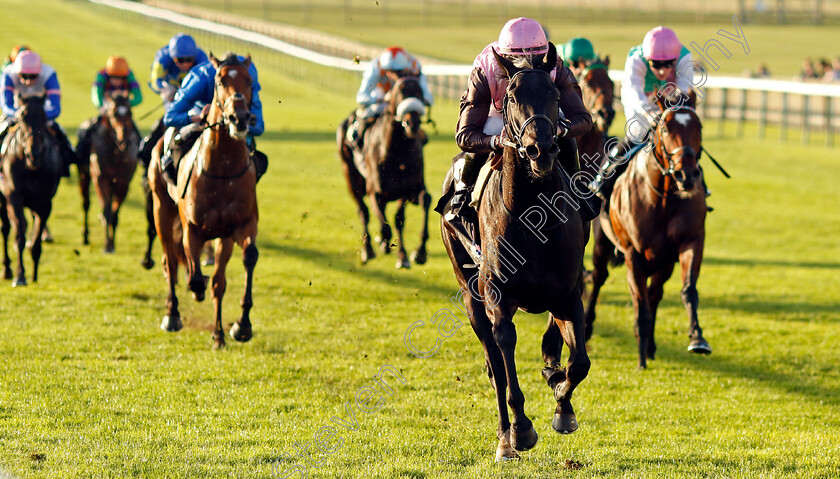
167, 161
148, 143
460, 216
260, 162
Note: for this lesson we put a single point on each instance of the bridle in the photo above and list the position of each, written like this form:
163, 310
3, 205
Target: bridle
516, 133
662, 155
225, 121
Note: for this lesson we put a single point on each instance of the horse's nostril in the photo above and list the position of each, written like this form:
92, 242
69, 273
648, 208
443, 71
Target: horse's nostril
232, 118
532, 151
553, 150
696, 174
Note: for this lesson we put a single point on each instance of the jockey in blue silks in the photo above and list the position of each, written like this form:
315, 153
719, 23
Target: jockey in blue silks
28, 75
190, 106
169, 68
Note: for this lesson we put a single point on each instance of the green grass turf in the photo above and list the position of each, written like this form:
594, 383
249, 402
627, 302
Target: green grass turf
90, 387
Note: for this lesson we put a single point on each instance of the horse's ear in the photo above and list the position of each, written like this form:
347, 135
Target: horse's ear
549, 61
692, 98
214, 60
507, 66
606, 61
247, 61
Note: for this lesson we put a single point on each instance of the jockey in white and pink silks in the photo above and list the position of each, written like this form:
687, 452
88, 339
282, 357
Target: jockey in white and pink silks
381, 74
480, 124
660, 59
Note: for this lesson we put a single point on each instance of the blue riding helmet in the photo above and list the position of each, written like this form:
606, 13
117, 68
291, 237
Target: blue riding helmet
182, 46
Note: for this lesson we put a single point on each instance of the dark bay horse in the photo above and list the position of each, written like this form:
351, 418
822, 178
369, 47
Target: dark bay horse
215, 198
656, 218
113, 160
532, 257
390, 168
30, 171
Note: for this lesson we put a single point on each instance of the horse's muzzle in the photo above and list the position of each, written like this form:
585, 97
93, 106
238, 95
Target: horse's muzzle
542, 155
686, 181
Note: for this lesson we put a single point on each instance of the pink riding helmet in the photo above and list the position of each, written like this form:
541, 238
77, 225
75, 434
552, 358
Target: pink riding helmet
661, 43
522, 36
28, 63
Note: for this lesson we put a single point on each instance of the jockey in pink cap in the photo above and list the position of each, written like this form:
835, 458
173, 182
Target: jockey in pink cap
28, 75
659, 60
480, 124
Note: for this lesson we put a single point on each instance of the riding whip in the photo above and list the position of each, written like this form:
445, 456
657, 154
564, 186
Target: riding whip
703, 150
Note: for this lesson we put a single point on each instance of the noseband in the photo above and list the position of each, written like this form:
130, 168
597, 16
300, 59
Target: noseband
515, 133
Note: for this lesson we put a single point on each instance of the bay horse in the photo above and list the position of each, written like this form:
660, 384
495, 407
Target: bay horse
113, 160
541, 270
29, 175
215, 198
390, 168
656, 218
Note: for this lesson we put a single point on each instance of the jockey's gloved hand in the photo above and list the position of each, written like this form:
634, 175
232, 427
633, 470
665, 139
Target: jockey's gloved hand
167, 93
497, 142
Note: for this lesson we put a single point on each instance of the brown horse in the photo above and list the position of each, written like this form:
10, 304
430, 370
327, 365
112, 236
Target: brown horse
113, 159
532, 257
656, 218
390, 168
215, 199
29, 176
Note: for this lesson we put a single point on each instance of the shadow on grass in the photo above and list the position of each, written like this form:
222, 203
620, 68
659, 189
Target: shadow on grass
711, 260
329, 260
667, 349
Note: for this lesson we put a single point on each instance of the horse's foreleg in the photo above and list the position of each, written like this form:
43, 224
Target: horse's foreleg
5, 229
18, 219
419, 256
522, 434
378, 204
241, 330
655, 292
691, 255
84, 188
357, 184
224, 247
602, 252
38, 223
148, 262
105, 192
399, 224
193, 245
637, 281
568, 319
119, 193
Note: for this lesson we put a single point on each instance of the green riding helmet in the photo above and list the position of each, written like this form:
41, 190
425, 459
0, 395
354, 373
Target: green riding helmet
578, 48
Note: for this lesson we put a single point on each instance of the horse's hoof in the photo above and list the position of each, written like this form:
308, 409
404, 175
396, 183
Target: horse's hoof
108, 250
198, 288
403, 264
46, 237
208, 261
419, 257
85, 241
506, 453
241, 333
171, 323
699, 346
148, 263
7, 273
368, 254
19, 282
525, 440
218, 341
564, 423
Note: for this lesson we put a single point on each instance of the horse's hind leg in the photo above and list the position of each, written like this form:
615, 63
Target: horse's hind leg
602, 252
357, 185
419, 256
691, 256
5, 228
105, 192
568, 322
164, 214
241, 330
399, 224
84, 189
147, 262
637, 280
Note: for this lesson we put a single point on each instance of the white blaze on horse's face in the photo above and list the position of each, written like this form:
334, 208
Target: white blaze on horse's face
682, 118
